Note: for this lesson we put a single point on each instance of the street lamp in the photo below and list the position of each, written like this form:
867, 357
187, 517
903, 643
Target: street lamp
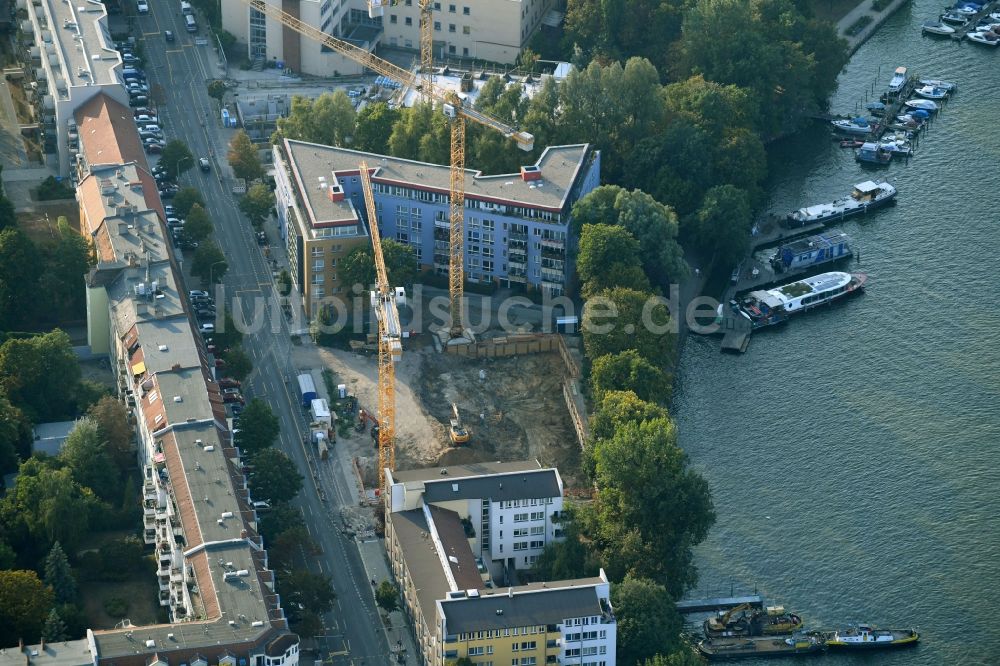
182, 161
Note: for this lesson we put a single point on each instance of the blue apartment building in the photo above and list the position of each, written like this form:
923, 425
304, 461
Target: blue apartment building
517, 226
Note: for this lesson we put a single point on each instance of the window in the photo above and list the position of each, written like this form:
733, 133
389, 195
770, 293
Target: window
529, 645
537, 544
487, 266
520, 545
319, 292
527, 661
408, 21
521, 532
466, 30
317, 278
392, 18
451, 49
520, 517
437, 6
318, 265
317, 251
465, 10
437, 25
476, 651
451, 27
451, 8
538, 515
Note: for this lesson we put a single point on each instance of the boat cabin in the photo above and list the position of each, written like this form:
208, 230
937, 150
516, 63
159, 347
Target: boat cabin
898, 80
868, 190
828, 246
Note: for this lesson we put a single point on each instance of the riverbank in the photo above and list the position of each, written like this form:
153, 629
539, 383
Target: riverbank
865, 8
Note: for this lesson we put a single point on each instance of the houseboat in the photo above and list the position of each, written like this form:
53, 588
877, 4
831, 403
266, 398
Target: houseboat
898, 81
767, 307
867, 637
872, 153
865, 196
807, 252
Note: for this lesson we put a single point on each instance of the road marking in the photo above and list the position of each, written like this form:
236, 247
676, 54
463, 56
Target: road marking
149, 34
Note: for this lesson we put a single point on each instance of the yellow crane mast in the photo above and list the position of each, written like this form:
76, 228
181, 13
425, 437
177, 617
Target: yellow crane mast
451, 104
390, 349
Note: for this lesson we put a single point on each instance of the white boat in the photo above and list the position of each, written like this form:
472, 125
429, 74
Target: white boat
865, 196
925, 104
930, 92
859, 126
937, 28
764, 307
987, 38
898, 80
937, 83
867, 637
955, 18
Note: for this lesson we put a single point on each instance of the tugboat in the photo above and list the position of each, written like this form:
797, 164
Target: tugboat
867, 637
865, 196
773, 306
772, 621
739, 648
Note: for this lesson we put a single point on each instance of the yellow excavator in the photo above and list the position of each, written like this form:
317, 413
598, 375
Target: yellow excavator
734, 622
458, 432
743, 620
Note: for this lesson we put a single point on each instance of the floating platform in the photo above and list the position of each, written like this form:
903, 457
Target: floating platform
718, 603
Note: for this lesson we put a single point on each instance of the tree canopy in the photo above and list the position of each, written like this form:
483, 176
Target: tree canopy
628, 371
176, 158
609, 257
257, 203
58, 575
20, 268
15, 435
386, 596
243, 157
114, 430
86, 454
185, 199
197, 224
41, 375
259, 428
328, 120
619, 319
24, 605
373, 126
647, 620
209, 263
616, 408
274, 477
401, 266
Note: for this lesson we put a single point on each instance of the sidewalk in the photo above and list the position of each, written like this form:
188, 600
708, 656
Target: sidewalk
398, 631
864, 8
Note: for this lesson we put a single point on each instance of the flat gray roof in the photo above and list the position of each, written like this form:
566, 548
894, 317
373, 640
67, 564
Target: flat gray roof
533, 607
167, 343
79, 31
62, 653
535, 484
460, 471
422, 561
189, 385
457, 550
559, 166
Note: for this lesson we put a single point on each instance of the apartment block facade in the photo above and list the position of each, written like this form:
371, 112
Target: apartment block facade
517, 226
212, 569
442, 537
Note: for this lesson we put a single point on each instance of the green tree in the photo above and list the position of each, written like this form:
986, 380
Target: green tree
386, 596
40, 374
421, 133
243, 157
257, 203
67, 263
50, 505
15, 435
86, 454
54, 629
608, 257
628, 371
619, 319
176, 158
681, 656
8, 217
302, 590
292, 541
58, 575
238, 363
616, 408
651, 509
401, 266
185, 199
280, 518
114, 430
259, 428
209, 263
24, 605
567, 559
217, 89
373, 126
647, 619
274, 477
722, 224
197, 224
327, 120
8, 558
20, 268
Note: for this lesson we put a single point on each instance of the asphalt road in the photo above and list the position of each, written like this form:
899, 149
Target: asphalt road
182, 69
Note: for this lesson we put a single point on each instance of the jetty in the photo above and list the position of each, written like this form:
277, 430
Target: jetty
718, 603
962, 31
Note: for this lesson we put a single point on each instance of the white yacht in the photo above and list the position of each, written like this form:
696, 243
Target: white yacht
865, 196
937, 28
766, 307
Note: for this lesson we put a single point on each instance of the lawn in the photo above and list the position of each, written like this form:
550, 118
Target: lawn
40, 225
140, 594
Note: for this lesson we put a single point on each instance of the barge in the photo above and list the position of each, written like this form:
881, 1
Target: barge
744, 648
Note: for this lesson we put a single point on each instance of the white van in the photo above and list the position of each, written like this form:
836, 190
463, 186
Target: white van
186, 7
190, 24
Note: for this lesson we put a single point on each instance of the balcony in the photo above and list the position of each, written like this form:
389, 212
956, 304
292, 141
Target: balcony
555, 277
554, 243
517, 259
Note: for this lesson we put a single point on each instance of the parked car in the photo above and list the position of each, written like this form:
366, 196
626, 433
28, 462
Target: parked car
205, 315
261, 238
261, 506
194, 293
156, 149
204, 164
233, 398
237, 410
142, 111
146, 119
142, 6
138, 100
168, 209
207, 327
229, 383
168, 35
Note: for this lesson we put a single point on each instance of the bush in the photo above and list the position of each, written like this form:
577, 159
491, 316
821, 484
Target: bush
51, 189
115, 606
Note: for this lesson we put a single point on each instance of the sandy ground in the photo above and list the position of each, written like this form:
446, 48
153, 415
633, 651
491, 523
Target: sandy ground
516, 412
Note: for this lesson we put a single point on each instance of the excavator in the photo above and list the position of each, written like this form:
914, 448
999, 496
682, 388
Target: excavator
772, 621
734, 622
458, 432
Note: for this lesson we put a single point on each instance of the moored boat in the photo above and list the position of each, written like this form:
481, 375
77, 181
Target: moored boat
937, 28
766, 307
931, 92
867, 637
898, 80
865, 196
740, 648
859, 126
954, 18
937, 83
986, 38
922, 104
872, 153
822, 248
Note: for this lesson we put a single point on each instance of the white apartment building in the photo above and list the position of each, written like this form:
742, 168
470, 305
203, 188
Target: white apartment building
493, 30
70, 48
511, 510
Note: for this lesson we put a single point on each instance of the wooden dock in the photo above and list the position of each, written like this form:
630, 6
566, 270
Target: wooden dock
718, 603
962, 31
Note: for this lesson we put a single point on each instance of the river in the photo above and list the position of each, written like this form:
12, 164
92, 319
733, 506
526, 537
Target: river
852, 454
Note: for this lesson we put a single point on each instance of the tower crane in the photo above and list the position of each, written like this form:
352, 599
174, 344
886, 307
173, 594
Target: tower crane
390, 349
376, 8
452, 106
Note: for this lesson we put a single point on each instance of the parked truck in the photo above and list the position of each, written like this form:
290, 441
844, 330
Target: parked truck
321, 429
322, 444
307, 389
